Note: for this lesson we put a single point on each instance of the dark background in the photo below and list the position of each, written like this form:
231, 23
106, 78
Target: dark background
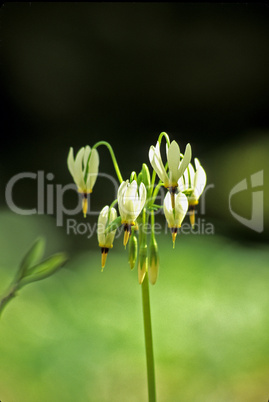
76, 73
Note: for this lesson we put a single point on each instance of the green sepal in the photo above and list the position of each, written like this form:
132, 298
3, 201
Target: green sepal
113, 225
44, 269
31, 258
188, 192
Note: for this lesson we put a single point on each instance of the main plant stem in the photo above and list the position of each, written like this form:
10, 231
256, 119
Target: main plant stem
148, 340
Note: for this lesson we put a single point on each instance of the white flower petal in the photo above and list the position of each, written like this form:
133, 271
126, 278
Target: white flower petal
142, 195
191, 174
92, 169
185, 161
157, 163
78, 173
199, 182
122, 189
87, 152
105, 240
129, 201
71, 162
181, 208
101, 225
168, 210
173, 158
121, 192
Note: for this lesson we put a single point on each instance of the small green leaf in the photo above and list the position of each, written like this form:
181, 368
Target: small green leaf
32, 257
46, 268
113, 225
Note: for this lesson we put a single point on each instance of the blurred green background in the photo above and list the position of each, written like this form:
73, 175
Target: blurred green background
75, 73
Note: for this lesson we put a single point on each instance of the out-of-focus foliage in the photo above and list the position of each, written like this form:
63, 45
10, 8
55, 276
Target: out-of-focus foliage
82, 335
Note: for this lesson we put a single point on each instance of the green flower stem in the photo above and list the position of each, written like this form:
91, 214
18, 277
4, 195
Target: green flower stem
163, 134
155, 193
148, 340
113, 203
113, 157
152, 216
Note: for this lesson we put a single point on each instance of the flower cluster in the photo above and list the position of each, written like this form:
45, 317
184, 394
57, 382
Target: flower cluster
136, 200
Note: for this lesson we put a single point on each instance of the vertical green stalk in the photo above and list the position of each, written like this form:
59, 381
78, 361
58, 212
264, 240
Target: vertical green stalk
147, 328
148, 340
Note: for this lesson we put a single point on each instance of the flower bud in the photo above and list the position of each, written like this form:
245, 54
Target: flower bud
133, 177
146, 177
132, 251
142, 263
153, 262
139, 179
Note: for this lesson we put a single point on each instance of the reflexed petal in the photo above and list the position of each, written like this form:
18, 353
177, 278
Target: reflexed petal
106, 240
186, 177
113, 215
181, 184
71, 162
78, 173
157, 164
142, 195
168, 210
197, 163
110, 236
185, 161
181, 208
173, 157
199, 182
121, 193
122, 189
93, 169
101, 225
192, 174
130, 201
87, 152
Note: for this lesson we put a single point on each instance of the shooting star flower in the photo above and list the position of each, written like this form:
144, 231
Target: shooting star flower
106, 216
131, 200
84, 170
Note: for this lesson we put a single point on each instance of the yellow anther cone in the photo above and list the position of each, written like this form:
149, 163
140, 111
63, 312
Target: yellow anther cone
85, 206
126, 237
103, 259
174, 235
192, 217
